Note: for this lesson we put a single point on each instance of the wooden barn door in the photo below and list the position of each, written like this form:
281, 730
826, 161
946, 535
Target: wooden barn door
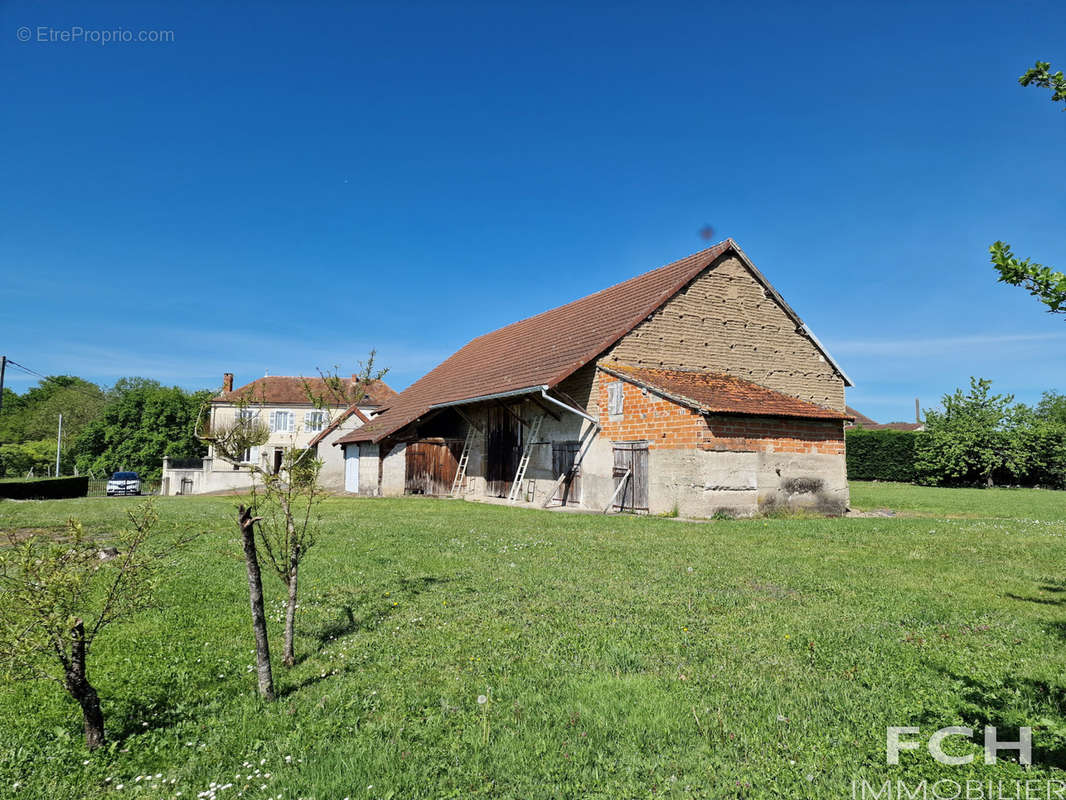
631, 457
431, 466
503, 444
563, 456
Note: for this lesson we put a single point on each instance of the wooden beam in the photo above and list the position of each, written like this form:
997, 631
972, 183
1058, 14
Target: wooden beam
512, 413
546, 410
469, 421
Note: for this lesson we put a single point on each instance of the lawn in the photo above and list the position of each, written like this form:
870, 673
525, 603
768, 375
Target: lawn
622, 657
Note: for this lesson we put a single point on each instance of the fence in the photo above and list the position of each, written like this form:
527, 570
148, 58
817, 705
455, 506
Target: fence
98, 488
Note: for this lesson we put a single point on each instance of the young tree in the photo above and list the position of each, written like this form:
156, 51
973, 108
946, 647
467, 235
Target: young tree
970, 440
284, 503
231, 440
1044, 283
58, 595
289, 528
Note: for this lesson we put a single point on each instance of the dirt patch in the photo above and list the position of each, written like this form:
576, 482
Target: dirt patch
876, 512
20, 535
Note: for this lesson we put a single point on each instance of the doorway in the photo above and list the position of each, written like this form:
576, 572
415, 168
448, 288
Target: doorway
351, 468
503, 445
631, 467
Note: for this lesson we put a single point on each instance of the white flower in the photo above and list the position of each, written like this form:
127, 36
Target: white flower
481, 699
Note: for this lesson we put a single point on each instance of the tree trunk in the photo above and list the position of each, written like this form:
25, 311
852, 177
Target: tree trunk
81, 690
290, 614
255, 596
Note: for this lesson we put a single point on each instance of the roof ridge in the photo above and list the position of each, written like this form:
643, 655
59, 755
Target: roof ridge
724, 244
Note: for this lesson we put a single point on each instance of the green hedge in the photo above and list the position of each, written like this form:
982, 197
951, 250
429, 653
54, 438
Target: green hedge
45, 488
880, 455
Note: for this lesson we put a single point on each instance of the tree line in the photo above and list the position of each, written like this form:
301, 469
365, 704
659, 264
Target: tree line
128, 426
976, 438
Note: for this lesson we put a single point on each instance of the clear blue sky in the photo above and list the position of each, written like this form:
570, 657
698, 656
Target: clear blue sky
283, 187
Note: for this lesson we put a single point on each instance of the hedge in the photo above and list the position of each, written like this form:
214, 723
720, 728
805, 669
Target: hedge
45, 488
881, 455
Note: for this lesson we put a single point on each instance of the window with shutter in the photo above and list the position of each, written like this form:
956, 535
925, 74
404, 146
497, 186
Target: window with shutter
614, 399
281, 421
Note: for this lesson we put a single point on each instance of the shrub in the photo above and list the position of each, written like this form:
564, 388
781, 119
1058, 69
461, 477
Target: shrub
881, 455
983, 439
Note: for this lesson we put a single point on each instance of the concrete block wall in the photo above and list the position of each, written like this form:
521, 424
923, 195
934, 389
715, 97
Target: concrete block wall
393, 471
368, 469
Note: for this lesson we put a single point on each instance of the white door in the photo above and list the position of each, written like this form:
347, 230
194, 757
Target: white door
351, 468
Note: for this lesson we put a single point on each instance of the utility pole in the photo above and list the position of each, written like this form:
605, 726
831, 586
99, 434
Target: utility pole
3, 369
59, 443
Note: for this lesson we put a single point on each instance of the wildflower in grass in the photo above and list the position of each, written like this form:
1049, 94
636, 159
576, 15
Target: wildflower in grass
483, 701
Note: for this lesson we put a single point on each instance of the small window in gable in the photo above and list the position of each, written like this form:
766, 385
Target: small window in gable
614, 398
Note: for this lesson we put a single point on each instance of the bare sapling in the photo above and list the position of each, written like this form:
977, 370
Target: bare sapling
285, 501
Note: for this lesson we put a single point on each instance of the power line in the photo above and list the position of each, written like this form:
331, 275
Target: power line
62, 385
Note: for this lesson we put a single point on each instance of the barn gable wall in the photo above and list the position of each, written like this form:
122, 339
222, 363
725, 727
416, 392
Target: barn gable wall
724, 321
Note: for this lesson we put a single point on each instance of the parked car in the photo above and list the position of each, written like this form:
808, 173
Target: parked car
123, 483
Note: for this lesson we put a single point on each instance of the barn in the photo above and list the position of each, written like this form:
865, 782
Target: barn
692, 389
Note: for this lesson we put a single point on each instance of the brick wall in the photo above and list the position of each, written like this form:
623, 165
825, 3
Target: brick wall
667, 425
724, 321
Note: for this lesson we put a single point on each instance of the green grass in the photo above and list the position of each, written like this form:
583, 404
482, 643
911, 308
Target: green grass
1032, 504
624, 657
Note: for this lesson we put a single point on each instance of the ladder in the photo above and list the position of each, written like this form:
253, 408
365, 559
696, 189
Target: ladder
523, 464
464, 459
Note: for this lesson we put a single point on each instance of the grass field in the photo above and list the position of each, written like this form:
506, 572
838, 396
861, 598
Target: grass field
623, 657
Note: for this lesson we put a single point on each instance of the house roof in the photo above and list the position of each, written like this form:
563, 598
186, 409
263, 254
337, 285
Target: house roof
715, 393
861, 420
545, 349
293, 389
349, 411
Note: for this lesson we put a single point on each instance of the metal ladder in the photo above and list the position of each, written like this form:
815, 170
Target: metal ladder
464, 459
523, 464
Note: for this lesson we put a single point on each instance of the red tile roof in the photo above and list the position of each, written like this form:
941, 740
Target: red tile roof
860, 418
545, 349
292, 390
720, 394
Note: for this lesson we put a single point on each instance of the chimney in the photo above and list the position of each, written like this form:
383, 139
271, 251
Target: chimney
917, 412
227, 381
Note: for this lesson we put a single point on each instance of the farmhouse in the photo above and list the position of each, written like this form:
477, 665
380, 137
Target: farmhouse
692, 388
284, 404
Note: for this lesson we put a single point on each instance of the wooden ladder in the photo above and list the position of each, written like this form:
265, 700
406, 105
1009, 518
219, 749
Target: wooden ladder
464, 459
523, 464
